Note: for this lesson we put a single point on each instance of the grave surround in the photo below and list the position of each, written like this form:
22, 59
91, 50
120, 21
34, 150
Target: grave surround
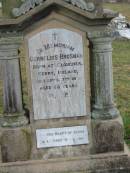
72, 124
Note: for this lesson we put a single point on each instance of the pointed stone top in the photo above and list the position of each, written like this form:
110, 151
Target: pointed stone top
30, 4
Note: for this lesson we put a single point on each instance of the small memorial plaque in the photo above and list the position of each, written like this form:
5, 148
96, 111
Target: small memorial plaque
56, 137
57, 74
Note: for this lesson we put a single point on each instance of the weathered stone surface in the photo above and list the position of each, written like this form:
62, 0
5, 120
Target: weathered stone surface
57, 74
11, 75
108, 136
103, 106
12, 87
65, 136
16, 144
30, 4
81, 16
102, 164
13, 120
12, 91
65, 151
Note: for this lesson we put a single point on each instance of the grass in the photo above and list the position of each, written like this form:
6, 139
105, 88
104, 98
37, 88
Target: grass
123, 8
121, 69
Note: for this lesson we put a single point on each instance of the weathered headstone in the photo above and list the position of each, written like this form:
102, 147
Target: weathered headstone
73, 124
59, 88
57, 74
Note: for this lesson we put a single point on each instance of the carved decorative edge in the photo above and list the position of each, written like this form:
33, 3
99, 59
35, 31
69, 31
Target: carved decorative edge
101, 34
87, 6
30, 4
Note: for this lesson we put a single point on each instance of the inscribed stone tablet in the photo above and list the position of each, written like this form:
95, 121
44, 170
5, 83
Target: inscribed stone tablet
57, 74
56, 137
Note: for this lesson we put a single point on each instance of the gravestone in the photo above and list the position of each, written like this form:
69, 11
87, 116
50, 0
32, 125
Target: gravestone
71, 123
57, 74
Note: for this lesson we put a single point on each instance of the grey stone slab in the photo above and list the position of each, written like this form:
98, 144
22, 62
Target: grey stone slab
65, 136
57, 74
111, 163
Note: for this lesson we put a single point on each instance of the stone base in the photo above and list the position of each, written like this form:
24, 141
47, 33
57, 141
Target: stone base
110, 163
15, 120
108, 113
15, 144
108, 136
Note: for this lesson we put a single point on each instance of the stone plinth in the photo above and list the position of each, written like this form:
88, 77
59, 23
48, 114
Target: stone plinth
16, 144
110, 163
108, 136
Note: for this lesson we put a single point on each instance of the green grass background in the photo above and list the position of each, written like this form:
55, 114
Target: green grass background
121, 69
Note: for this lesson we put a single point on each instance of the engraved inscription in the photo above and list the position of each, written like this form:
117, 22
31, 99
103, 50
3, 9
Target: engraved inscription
57, 74
56, 137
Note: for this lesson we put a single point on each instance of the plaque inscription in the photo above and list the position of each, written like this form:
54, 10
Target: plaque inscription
57, 74
56, 137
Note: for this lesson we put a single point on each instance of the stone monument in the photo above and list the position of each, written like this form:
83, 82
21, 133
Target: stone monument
72, 124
